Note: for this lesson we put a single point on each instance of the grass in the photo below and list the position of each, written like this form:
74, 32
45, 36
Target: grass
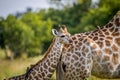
18, 66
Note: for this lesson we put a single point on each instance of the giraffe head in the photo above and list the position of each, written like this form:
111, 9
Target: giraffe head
62, 35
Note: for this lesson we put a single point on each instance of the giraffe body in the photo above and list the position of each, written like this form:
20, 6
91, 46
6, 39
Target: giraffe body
96, 52
44, 69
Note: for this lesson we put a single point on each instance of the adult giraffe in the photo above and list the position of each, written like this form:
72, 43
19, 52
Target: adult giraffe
96, 52
44, 69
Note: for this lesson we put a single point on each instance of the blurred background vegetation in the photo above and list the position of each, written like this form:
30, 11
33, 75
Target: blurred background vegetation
26, 35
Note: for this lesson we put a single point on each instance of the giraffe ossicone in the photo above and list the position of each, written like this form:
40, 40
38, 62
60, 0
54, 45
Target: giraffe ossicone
96, 52
44, 69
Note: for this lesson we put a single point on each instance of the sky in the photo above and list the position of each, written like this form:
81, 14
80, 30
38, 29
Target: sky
12, 6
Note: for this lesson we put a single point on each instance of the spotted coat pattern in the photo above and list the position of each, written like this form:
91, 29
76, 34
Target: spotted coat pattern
96, 52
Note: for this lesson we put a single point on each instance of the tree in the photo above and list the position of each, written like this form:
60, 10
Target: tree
99, 16
18, 36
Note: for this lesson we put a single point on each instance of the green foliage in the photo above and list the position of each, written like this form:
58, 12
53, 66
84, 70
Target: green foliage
26, 34
99, 16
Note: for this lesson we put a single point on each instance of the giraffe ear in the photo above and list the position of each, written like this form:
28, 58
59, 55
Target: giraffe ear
55, 32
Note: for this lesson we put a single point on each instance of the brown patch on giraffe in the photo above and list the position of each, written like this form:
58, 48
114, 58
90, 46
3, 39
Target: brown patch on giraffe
90, 37
83, 62
41, 69
100, 31
106, 33
40, 75
34, 72
114, 48
81, 59
74, 38
104, 30
75, 42
75, 57
78, 35
111, 29
72, 61
93, 52
115, 58
77, 64
78, 53
51, 70
55, 59
83, 48
30, 77
36, 78
107, 51
80, 39
45, 66
86, 50
117, 22
115, 34
69, 49
117, 40
107, 42
68, 54
48, 63
101, 35
99, 53
85, 40
79, 43
100, 44
51, 59
102, 38
88, 61
97, 33
64, 49
82, 67
49, 75
116, 30
107, 26
110, 24
106, 58
53, 65
110, 66
94, 46
95, 38
66, 45
83, 53
43, 74
110, 38
76, 48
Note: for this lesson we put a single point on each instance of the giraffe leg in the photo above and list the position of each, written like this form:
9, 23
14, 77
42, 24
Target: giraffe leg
59, 72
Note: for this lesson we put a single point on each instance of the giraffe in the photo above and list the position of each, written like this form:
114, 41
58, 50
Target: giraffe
96, 52
19, 77
44, 68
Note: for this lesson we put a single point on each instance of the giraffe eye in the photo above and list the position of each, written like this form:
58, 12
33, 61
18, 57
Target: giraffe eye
63, 36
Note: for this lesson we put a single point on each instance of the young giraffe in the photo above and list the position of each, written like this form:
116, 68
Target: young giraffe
44, 69
96, 52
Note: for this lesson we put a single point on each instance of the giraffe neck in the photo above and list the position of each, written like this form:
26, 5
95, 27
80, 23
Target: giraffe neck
46, 67
19, 77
